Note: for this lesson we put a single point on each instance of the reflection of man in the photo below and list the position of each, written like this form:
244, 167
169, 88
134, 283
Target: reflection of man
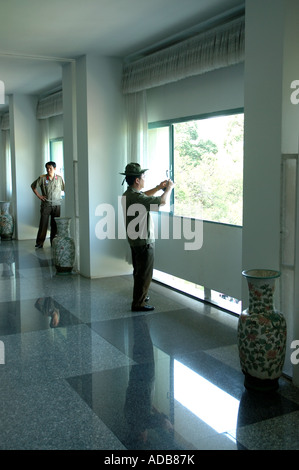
140, 413
50, 186
49, 307
140, 232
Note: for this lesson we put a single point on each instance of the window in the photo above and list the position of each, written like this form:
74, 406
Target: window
204, 157
159, 169
56, 155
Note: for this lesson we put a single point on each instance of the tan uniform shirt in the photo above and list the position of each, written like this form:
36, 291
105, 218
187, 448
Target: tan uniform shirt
51, 189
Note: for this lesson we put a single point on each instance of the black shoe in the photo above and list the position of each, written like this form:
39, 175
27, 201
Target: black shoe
143, 308
38, 246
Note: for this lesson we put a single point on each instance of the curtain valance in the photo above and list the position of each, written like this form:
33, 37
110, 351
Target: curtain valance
50, 106
219, 47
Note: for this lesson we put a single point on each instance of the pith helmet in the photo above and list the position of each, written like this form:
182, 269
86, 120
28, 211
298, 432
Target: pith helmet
133, 169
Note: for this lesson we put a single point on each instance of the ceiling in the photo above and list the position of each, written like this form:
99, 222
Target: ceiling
37, 36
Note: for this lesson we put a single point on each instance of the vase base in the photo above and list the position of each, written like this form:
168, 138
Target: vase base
64, 270
6, 237
260, 385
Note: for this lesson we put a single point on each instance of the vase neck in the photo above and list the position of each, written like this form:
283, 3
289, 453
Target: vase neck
63, 227
4, 207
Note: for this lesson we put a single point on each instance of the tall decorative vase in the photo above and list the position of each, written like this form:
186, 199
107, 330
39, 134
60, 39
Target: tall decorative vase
6, 221
63, 246
261, 333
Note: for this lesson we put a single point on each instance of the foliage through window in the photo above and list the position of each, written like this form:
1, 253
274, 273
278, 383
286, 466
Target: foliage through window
204, 156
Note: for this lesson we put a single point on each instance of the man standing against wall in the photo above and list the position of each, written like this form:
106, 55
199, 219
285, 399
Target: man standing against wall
140, 230
51, 186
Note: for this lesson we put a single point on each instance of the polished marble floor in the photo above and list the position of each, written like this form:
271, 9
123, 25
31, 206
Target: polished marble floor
78, 370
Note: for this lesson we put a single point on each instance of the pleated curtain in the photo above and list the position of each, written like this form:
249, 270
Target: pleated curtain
50, 106
6, 177
219, 47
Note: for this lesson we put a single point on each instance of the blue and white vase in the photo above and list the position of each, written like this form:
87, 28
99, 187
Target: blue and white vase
6, 221
63, 246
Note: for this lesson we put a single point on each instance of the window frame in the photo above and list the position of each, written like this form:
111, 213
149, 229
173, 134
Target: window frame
170, 124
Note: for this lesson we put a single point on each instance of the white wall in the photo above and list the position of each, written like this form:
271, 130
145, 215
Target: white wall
218, 264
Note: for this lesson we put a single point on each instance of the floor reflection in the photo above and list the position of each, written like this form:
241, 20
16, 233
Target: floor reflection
161, 403
7, 259
140, 411
39, 314
57, 315
170, 380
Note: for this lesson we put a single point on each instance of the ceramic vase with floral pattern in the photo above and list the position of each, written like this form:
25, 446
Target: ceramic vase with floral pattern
261, 333
6, 221
63, 246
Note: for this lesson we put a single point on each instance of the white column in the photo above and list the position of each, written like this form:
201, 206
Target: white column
271, 131
290, 137
100, 160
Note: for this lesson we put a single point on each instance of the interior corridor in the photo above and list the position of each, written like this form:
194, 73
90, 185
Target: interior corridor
79, 370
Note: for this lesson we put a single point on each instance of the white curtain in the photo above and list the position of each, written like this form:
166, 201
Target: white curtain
8, 169
219, 47
136, 121
49, 106
44, 136
136, 138
7, 173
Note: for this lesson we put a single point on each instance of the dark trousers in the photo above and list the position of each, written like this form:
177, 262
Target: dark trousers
47, 212
143, 265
